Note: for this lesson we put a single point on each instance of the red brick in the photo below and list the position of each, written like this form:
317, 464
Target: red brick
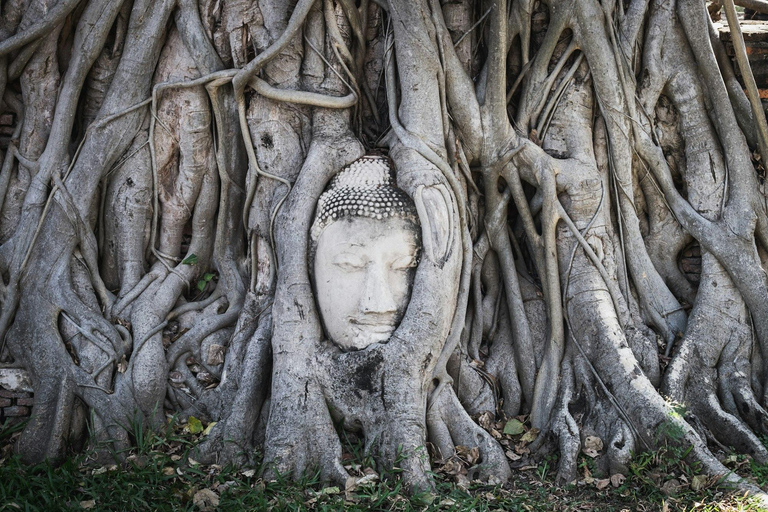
15, 411
691, 266
4, 393
5, 402
25, 401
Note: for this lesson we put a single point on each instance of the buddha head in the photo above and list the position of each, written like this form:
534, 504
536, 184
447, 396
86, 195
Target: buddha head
366, 244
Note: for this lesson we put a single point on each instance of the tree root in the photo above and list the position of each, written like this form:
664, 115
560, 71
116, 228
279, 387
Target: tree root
231, 440
453, 427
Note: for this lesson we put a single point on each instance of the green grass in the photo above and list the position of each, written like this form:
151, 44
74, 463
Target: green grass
157, 477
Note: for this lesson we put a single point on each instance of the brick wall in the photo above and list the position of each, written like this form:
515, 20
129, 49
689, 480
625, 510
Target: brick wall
16, 398
690, 262
7, 124
755, 34
15, 405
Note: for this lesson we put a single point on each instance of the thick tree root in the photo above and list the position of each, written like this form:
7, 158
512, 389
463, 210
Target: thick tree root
450, 426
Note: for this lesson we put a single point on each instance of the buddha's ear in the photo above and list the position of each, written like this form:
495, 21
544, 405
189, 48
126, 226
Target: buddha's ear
434, 205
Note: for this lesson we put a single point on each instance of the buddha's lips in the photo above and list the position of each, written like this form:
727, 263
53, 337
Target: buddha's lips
377, 325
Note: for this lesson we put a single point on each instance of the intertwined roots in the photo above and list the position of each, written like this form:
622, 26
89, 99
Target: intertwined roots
159, 188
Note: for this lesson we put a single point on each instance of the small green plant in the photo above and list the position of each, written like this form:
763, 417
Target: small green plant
190, 260
545, 466
672, 429
203, 282
587, 466
759, 472
7, 430
355, 447
542, 470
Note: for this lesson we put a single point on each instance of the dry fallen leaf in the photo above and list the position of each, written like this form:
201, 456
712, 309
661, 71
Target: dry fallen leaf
353, 483
486, 420
176, 379
671, 487
88, 504
513, 427
617, 479
473, 456
494, 480
122, 366
206, 500
522, 449
215, 354
367, 480
530, 436
452, 467
592, 446
205, 377
698, 482
462, 482
602, 483
350, 486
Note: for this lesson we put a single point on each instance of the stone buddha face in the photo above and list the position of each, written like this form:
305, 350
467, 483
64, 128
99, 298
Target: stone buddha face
366, 239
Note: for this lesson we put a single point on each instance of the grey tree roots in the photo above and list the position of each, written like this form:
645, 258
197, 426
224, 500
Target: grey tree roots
158, 189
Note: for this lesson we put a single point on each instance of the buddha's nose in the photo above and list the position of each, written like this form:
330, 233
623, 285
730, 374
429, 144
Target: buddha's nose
377, 295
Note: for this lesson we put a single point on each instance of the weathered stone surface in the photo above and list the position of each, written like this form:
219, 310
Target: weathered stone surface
15, 379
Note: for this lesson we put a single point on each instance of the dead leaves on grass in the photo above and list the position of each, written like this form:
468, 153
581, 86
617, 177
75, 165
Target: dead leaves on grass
205, 500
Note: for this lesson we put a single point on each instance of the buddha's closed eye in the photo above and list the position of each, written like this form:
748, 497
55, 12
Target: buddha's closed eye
350, 262
404, 262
